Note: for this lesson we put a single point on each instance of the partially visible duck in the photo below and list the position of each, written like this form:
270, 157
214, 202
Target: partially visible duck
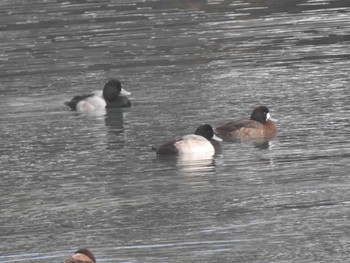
202, 141
111, 97
81, 256
259, 126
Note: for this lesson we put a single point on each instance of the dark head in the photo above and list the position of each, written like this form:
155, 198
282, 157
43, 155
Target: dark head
207, 132
87, 253
83, 256
112, 90
260, 114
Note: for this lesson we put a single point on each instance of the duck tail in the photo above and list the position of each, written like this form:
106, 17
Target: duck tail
71, 104
155, 148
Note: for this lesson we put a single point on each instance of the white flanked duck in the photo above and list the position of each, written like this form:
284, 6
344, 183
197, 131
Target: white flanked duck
112, 96
203, 141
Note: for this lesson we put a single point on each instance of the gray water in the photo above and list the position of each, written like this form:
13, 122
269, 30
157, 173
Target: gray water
71, 180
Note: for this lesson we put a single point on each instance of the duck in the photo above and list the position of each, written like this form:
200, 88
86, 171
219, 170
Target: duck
203, 141
260, 126
81, 256
112, 96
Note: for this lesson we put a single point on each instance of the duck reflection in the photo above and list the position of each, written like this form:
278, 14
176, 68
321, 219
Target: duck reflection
263, 145
193, 164
114, 121
260, 143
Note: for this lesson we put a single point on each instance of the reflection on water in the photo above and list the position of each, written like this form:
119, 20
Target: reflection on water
114, 121
260, 143
71, 180
193, 164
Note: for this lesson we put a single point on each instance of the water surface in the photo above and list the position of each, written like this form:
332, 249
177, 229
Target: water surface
71, 180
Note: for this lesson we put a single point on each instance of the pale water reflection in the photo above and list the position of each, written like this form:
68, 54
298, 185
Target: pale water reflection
71, 180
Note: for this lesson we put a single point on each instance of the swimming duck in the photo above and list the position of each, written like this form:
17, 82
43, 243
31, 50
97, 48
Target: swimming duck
202, 141
259, 126
112, 96
81, 256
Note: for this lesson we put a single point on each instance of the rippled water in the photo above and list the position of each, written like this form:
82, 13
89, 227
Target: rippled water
71, 180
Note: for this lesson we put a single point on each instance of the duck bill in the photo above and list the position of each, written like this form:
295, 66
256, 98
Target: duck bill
124, 92
268, 117
216, 138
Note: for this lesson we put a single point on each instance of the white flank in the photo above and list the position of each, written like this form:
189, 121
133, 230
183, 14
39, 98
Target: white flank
91, 103
194, 144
